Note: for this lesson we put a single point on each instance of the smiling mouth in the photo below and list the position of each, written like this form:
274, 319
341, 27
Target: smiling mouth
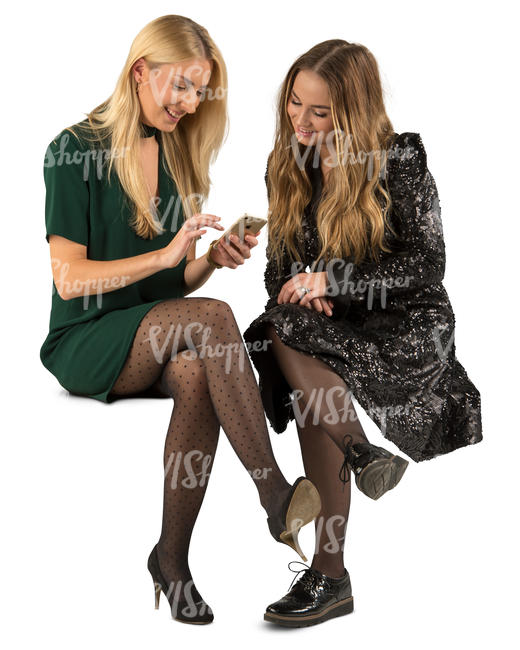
304, 131
175, 116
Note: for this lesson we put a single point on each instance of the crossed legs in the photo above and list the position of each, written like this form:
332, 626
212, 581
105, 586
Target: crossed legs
192, 349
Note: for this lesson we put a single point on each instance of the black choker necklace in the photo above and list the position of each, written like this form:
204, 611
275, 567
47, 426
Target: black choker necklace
149, 131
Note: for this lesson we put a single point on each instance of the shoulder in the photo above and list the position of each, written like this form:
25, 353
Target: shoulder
71, 138
71, 151
68, 155
406, 155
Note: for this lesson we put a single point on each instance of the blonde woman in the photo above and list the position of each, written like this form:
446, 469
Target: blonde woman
124, 191
355, 203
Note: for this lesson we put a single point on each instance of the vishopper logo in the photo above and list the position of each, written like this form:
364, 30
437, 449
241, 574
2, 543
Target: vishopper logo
161, 96
192, 478
334, 406
322, 404
182, 597
443, 351
97, 156
184, 344
328, 141
195, 467
342, 284
260, 473
327, 539
86, 287
177, 207
383, 413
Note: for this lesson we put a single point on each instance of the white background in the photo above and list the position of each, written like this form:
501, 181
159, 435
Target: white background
435, 560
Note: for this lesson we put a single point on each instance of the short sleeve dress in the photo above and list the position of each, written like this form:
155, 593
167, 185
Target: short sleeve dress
89, 337
391, 336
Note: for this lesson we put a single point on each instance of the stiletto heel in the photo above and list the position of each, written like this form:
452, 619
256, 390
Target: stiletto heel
301, 506
197, 611
157, 592
290, 537
375, 468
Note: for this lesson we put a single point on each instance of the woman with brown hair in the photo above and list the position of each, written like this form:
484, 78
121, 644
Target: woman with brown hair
123, 257
355, 202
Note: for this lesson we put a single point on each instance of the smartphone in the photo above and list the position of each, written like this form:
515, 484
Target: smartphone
244, 225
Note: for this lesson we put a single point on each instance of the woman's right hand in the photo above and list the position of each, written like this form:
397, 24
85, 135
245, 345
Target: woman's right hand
321, 305
190, 230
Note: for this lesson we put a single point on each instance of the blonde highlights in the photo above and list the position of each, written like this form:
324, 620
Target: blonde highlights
190, 148
354, 206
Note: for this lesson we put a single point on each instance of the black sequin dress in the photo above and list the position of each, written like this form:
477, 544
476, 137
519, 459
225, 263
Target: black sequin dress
391, 335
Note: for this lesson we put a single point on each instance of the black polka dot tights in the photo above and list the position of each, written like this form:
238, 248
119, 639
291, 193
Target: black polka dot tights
191, 349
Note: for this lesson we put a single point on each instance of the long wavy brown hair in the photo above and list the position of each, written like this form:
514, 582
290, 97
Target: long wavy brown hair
354, 205
190, 148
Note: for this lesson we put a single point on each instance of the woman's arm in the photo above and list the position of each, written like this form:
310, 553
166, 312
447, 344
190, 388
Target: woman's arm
74, 275
196, 271
417, 213
275, 279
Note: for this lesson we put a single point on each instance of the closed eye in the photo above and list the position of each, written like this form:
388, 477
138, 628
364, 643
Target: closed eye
199, 92
293, 101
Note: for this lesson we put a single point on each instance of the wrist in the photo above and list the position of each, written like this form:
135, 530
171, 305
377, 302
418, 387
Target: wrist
214, 265
158, 260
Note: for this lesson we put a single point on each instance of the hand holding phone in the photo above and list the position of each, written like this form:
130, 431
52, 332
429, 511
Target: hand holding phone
244, 225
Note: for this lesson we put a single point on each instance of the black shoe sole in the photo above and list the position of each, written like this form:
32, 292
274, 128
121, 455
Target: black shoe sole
332, 611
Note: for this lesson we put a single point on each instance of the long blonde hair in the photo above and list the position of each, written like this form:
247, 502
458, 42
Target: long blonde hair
353, 209
191, 147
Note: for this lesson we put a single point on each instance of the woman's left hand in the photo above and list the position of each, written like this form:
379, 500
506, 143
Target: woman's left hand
235, 252
316, 282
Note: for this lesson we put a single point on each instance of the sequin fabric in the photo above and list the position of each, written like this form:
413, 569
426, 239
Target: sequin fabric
392, 333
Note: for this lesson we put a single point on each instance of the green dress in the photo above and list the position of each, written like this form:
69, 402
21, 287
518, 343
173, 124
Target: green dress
90, 336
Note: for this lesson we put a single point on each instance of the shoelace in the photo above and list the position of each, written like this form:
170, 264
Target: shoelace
297, 572
344, 472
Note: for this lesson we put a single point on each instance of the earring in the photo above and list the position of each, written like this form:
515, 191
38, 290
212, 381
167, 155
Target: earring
137, 88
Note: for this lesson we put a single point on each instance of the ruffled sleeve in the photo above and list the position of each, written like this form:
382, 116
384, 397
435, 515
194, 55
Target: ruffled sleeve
417, 215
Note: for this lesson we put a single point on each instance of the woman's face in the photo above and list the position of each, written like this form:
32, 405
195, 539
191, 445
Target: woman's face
309, 108
170, 91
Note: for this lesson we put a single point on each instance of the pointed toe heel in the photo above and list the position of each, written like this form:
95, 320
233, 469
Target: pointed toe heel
190, 608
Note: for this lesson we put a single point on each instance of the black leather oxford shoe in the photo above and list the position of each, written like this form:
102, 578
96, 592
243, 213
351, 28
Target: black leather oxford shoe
313, 599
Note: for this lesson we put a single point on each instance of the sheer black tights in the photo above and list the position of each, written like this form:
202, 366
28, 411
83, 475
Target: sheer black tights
324, 414
192, 349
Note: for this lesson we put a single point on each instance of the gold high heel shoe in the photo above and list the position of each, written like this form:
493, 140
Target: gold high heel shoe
301, 506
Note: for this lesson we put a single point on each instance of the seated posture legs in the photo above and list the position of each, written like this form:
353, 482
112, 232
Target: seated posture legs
192, 349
